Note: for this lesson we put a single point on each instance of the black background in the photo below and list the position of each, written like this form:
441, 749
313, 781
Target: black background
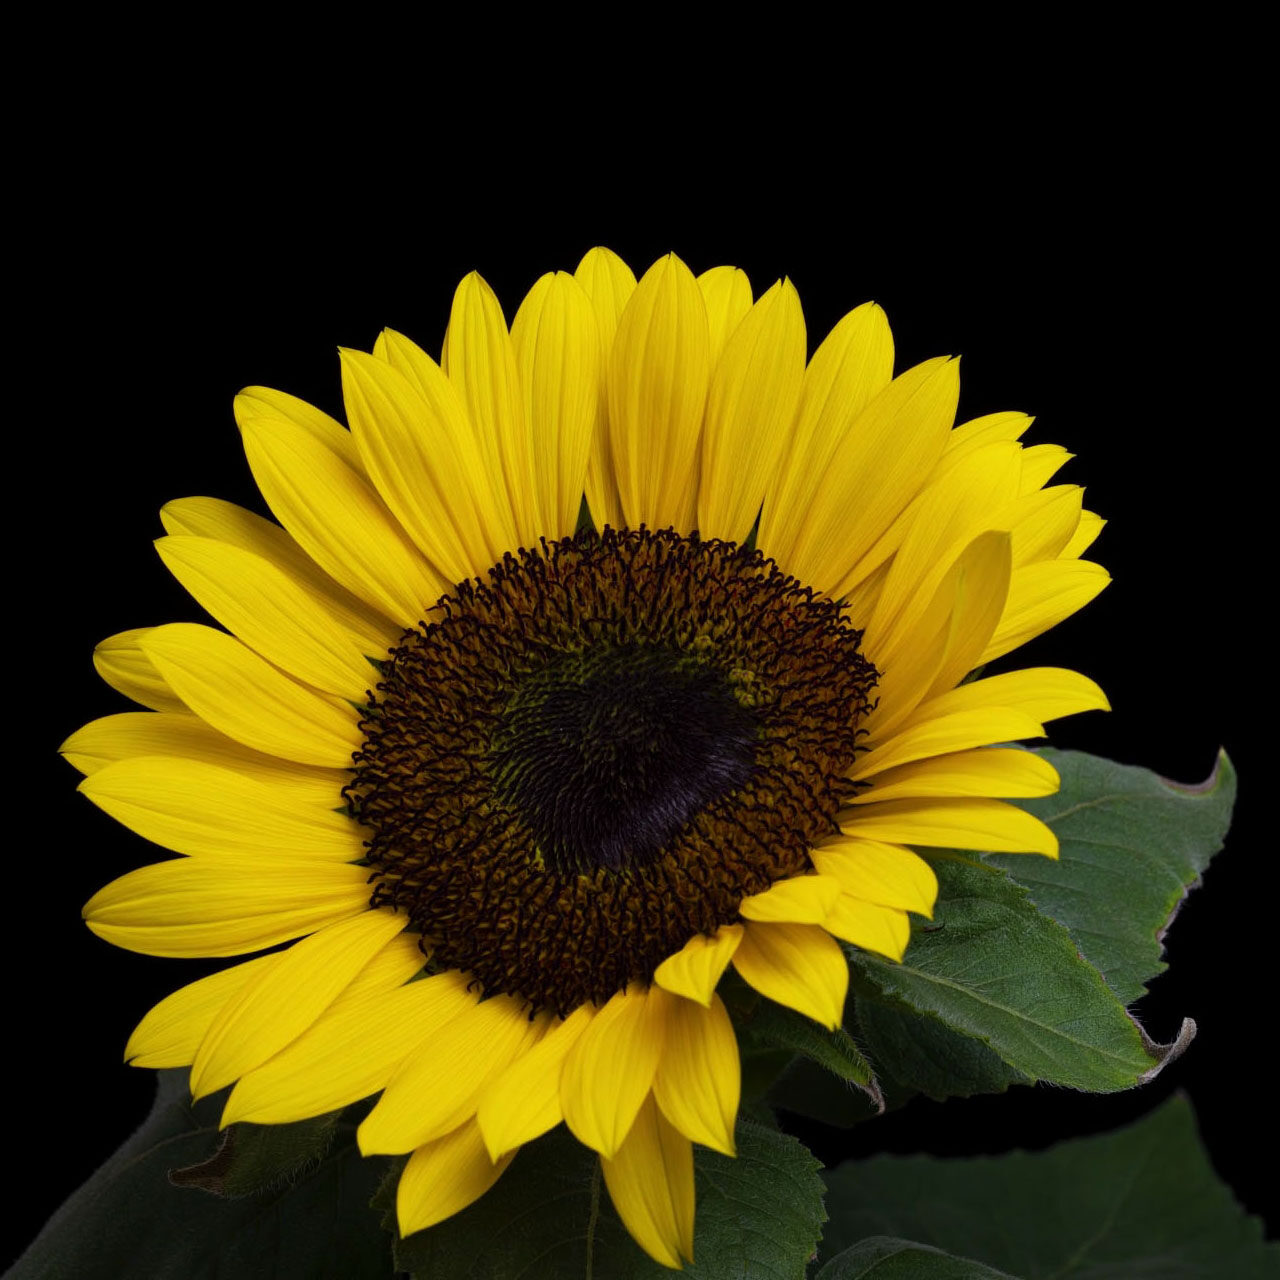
1108, 293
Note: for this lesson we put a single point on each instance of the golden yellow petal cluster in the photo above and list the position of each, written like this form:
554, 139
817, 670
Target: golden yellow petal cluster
675, 402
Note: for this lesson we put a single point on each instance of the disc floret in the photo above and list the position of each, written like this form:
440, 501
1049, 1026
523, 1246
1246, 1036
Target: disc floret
599, 752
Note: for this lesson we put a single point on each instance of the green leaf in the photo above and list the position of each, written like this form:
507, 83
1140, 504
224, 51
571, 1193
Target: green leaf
913, 1053
762, 1068
130, 1220
1132, 846
930, 1058
549, 1218
808, 1090
884, 1258
258, 1157
994, 968
1142, 1201
763, 1026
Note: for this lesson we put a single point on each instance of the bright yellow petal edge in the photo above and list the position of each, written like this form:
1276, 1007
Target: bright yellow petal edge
671, 401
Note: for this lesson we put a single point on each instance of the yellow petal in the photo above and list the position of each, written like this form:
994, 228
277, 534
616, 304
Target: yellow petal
197, 808
319, 1072
987, 771
1040, 463
524, 1101
978, 432
727, 293
751, 407
249, 700
879, 466
557, 343
987, 825
861, 600
326, 431
480, 361
650, 1181
801, 899
171, 1032
1043, 693
435, 1091
962, 443
263, 607
398, 960
886, 874
695, 969
798, 965
853, 365
658, 374
278, 1005
218, 906
1042, 523
336, 516
922, 651
135, 733
1040, 596
120, 661
166, 733
444, 1176
884, 930
1085, 535
944, 734
699, 1078
983, 575
947, 517
423, 455
608, 1073
609, 283
905, 677
226, 522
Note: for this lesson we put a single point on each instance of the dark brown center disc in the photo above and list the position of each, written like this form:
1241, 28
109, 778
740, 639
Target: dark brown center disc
600, 752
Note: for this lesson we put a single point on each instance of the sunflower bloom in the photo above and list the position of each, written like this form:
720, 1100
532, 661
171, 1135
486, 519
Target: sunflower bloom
518, 786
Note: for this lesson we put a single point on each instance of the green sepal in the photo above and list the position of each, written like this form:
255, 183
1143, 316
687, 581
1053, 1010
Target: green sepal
585, 523
809, 1090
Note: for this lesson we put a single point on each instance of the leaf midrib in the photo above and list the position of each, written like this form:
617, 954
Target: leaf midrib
1015, 1014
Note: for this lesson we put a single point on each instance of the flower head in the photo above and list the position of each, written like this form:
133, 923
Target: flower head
520, 778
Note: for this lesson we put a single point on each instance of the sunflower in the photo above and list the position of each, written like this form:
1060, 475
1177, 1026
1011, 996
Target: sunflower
614, 649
